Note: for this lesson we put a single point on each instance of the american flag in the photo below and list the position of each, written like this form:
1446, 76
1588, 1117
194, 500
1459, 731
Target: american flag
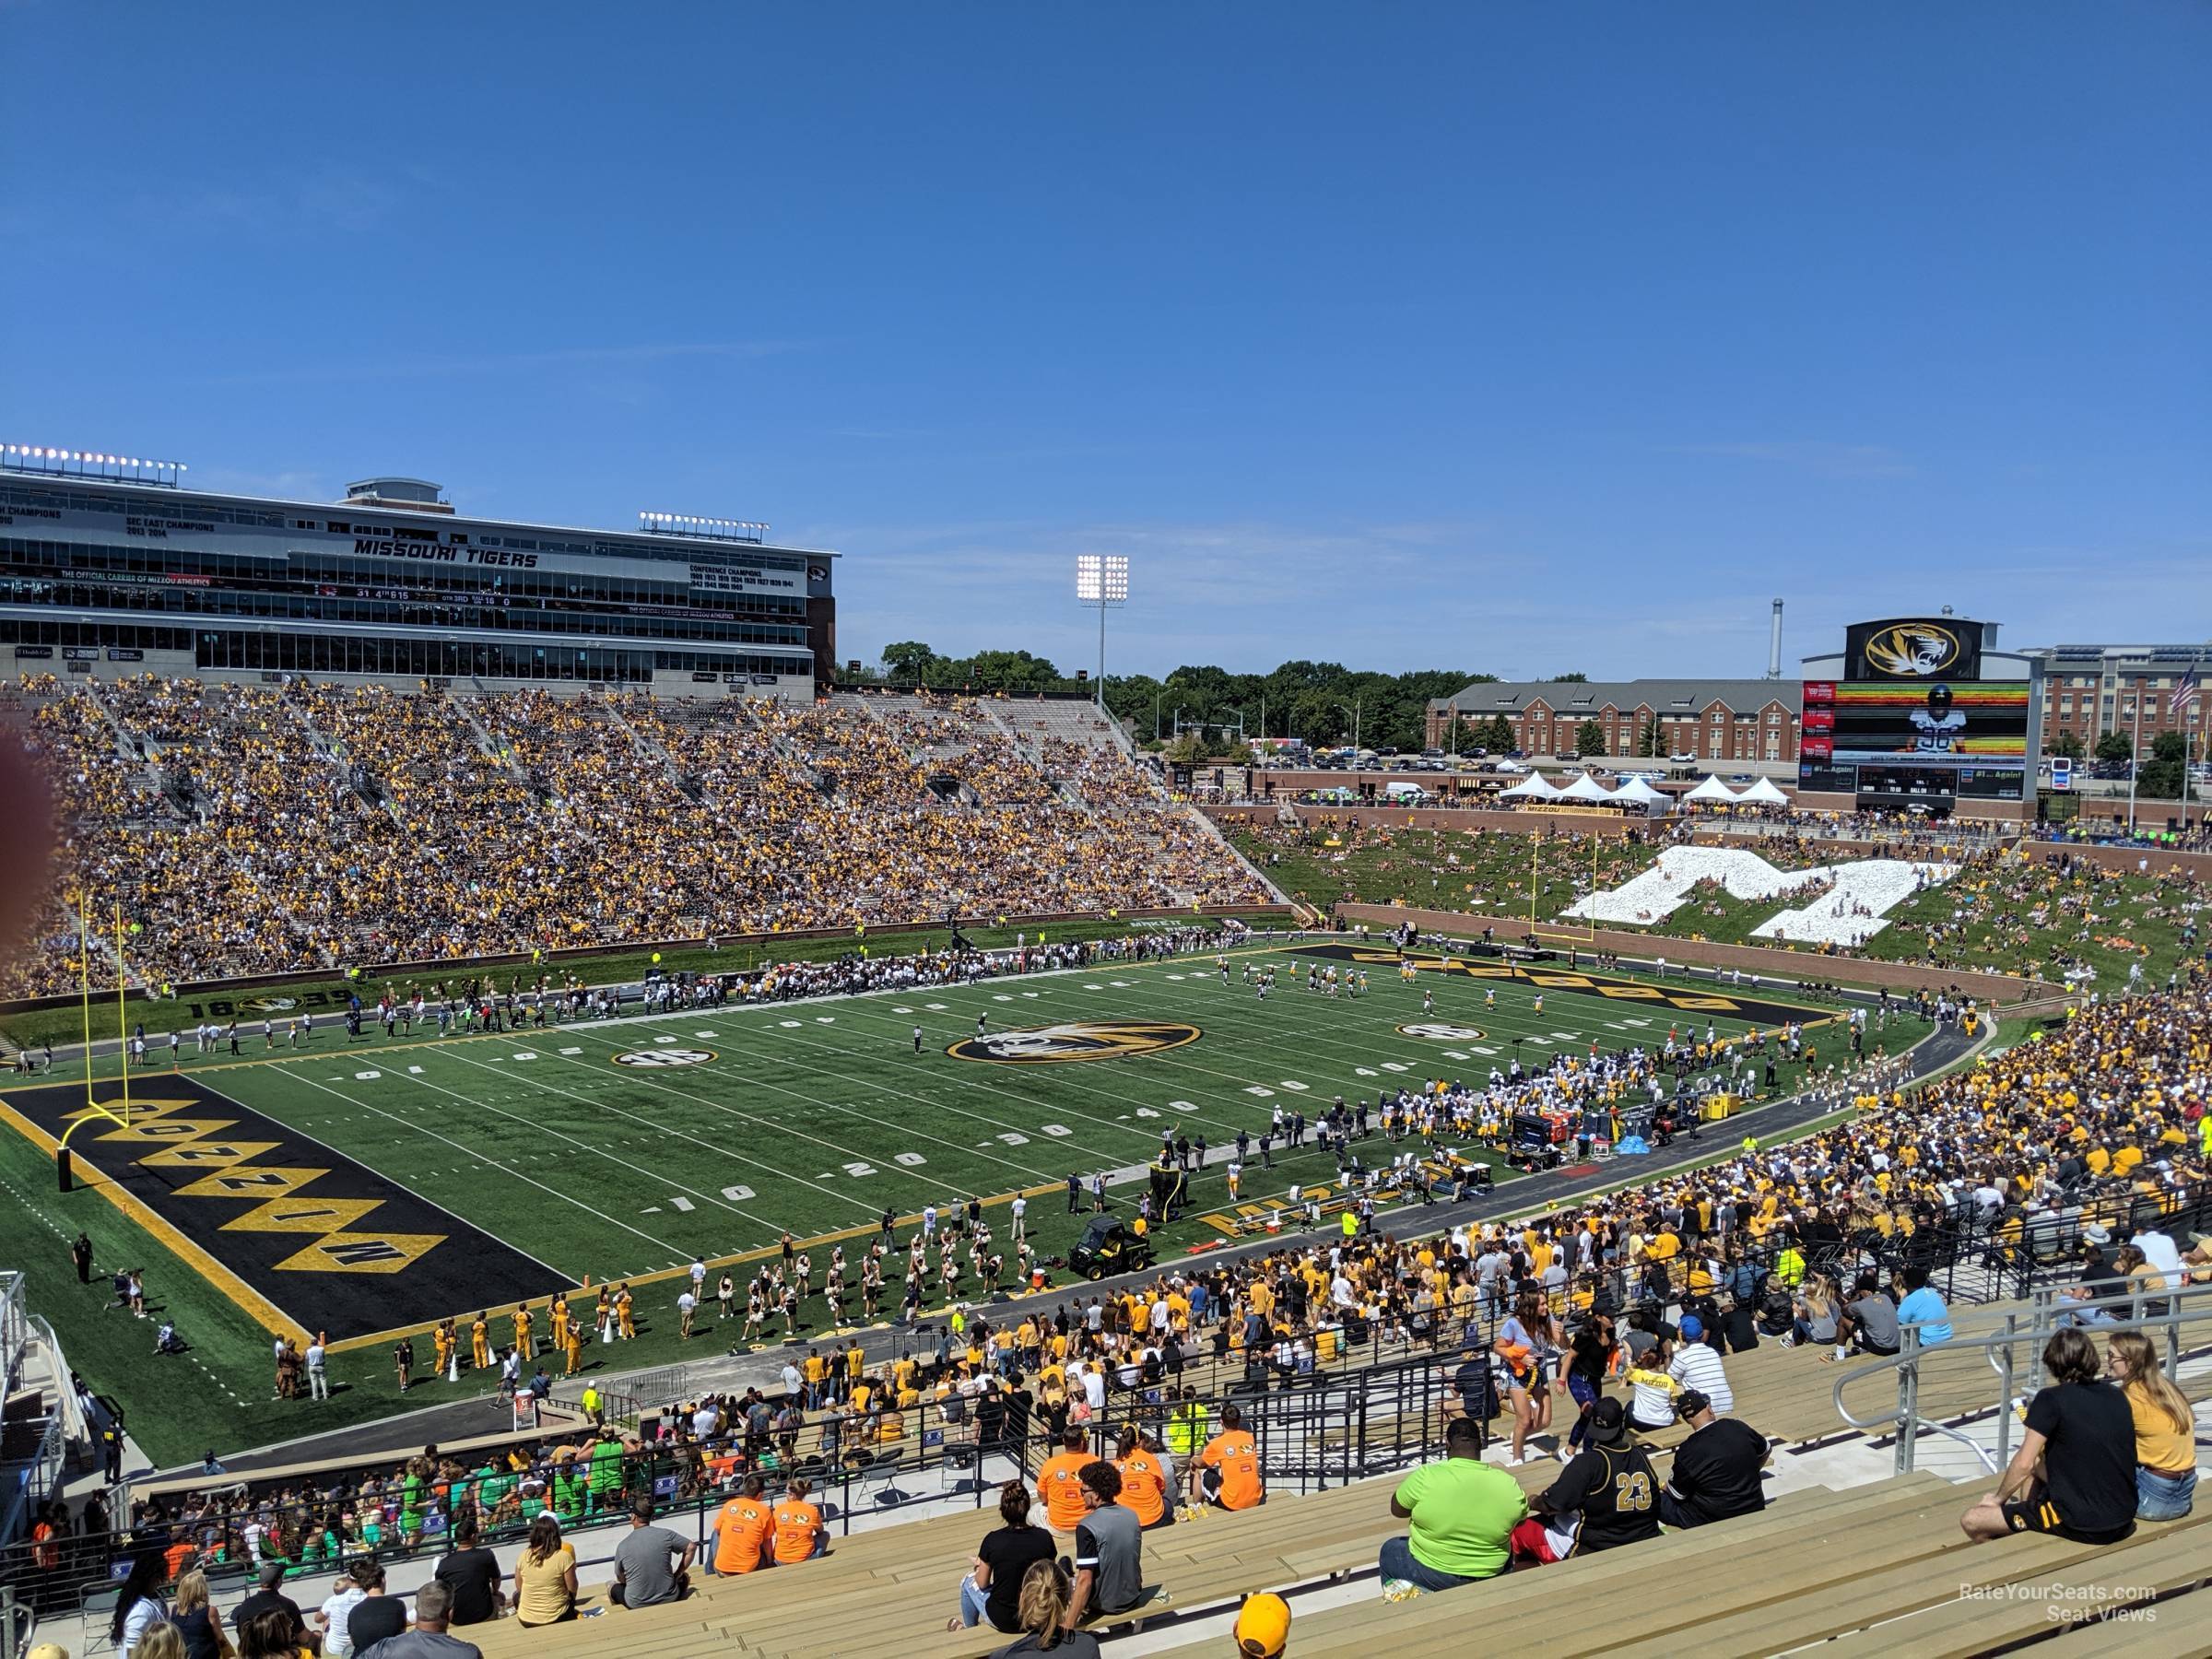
2184, 694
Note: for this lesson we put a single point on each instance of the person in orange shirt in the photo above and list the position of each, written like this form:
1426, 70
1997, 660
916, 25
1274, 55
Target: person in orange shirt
1057, 1487
1228, 1472
1144, 1480
799, 1535
742, 1529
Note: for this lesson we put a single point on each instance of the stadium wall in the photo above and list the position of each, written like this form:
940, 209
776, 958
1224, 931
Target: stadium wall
1769, 962
1613, 826
585, 953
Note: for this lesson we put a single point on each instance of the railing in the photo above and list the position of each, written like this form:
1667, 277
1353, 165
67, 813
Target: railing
2051, 1310
15, 1330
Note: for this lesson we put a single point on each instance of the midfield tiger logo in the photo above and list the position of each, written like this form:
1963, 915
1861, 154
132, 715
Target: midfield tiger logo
1075, 1039
665, 1056
1440, 1032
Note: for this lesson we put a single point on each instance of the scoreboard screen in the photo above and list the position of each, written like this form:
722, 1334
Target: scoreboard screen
1889, 723
1912, 738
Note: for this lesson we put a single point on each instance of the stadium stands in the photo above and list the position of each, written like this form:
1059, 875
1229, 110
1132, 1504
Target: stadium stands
253, 829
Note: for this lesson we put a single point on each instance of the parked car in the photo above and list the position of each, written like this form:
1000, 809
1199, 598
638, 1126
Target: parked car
1679, 759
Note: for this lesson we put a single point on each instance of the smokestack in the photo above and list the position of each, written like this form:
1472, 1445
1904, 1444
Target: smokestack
1774, 645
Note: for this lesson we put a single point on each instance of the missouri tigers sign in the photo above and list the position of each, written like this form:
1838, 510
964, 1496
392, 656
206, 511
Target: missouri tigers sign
1913, 648
1077, 1039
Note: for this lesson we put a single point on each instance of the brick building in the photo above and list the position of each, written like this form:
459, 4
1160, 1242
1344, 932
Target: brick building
1751, 722
2091, 689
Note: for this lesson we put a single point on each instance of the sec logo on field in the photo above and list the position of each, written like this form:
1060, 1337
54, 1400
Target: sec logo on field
1441, 1032
667, 1056
1077, 1039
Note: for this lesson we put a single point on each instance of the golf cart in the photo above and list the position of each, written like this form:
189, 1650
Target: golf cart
1108, 1247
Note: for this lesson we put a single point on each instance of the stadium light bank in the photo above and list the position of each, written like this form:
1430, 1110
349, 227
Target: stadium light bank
1101, 579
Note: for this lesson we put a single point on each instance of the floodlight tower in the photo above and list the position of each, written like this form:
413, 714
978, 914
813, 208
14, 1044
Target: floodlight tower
1101, 579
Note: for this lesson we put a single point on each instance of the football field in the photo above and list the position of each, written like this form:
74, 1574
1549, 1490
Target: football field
370, 1188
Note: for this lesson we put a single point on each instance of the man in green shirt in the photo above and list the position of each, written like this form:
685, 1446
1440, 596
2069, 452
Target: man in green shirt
606, 1472
1462, 1512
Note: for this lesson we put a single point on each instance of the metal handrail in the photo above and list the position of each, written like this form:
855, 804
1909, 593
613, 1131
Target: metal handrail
2046, 1314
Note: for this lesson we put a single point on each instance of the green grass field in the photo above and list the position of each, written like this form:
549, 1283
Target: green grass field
746, 1123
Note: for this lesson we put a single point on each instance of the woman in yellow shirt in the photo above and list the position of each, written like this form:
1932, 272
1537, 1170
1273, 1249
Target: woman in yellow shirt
544, 1576
2165, 1429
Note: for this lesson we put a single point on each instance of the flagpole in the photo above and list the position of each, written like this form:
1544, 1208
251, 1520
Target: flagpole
2189, 745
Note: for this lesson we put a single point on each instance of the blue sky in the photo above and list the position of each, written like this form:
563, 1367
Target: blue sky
1519, 338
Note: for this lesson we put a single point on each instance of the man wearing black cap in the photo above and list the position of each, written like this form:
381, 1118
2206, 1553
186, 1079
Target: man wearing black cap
1607, 1496
1716, 1470
268, 1600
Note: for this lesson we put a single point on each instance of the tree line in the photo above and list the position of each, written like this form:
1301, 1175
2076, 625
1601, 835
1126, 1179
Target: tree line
1324, 704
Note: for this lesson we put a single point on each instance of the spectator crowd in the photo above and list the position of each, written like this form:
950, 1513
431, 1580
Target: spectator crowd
260, 829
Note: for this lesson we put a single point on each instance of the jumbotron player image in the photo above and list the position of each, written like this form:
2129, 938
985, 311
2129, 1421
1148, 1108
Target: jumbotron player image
1940, 725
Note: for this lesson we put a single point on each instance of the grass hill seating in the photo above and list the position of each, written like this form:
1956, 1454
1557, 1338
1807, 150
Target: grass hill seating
260, 829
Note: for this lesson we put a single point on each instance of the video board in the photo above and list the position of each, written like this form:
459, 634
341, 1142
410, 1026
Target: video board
1917, 737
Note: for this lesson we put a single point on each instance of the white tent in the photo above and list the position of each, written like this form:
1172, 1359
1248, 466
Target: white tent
1711, 793
1586, 788
1637, 793
1763, 793
1531, 788
1508, 766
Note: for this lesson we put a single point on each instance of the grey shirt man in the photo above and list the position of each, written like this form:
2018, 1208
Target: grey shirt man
1873, 1316
1109, 1542
644, 1563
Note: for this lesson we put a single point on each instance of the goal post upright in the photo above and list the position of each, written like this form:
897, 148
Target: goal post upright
1588, 933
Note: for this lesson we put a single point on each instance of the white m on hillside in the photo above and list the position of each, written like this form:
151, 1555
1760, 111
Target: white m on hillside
1833, 905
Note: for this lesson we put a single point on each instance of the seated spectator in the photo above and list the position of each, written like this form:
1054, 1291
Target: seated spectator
1147, 1487
1922, 1306
374, 1615
197, 1619
1227, 1472
1607, 1496
743, 1527
992, 1590
2142, 1278
348, 1592
1057, 1487
2089, 1300
1716, 1470
2165, 1429
1814, 1313
1777, 1311
1868, 1322
1462, 1512
800, 1535
1263, 1627
544, 1576
1697, 1364
472, 1575
428, 1640
1110, 1568
2074, 1473
269, 1636
643, 1575
1047, 1618
268, 1598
